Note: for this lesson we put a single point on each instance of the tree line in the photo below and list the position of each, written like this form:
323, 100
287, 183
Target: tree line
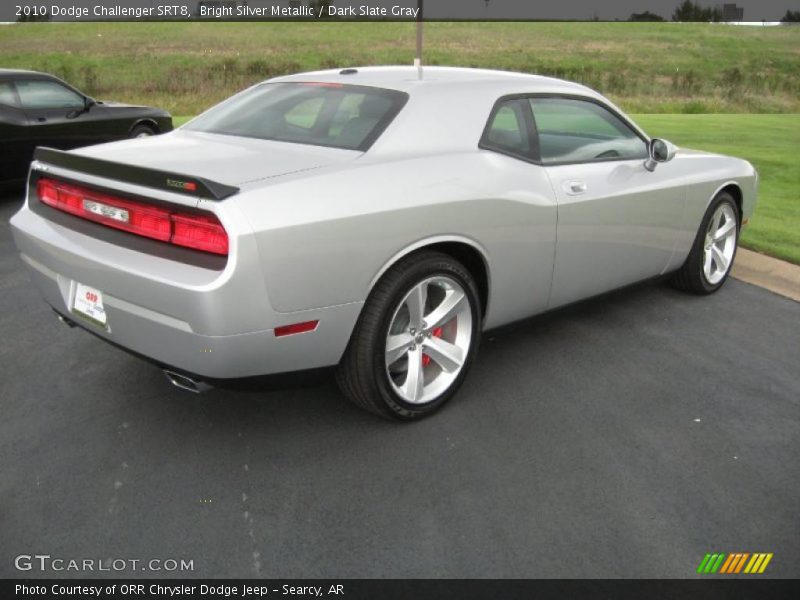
688, 11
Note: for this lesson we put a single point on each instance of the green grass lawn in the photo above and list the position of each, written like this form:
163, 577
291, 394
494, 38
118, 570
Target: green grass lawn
644, 67
770, 142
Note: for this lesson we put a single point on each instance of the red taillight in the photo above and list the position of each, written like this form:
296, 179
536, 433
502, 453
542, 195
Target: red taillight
296, 328
134, 217
47, 192
199, 232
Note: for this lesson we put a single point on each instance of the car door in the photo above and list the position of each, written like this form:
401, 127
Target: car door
57, 115
617, 221
15, 151
527, 259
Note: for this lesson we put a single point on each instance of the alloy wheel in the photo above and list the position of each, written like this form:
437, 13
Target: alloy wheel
720, 243
429, 339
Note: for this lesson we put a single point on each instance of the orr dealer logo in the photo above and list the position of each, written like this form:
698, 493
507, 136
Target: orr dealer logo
737, 562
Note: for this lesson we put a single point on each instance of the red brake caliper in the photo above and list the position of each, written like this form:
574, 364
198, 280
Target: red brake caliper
426, 360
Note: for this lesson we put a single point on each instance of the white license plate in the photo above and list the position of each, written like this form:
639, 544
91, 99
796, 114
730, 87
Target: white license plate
88, 303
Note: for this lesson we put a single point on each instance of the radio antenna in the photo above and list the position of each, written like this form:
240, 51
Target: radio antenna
418, 58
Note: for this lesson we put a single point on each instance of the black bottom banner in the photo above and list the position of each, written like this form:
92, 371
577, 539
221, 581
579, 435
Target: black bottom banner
389, 589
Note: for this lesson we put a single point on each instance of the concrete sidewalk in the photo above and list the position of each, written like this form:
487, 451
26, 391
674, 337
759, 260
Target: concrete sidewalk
764, 271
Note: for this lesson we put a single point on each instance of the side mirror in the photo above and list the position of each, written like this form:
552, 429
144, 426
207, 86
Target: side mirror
659, 151
88, 103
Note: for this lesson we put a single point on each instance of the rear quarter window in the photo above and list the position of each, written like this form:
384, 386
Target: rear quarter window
508, 129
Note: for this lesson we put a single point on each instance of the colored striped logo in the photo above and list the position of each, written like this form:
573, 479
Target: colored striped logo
737, 562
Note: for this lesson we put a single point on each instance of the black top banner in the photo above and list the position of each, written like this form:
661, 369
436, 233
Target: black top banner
399, 10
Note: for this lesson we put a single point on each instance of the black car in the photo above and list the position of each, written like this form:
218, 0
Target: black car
37, 109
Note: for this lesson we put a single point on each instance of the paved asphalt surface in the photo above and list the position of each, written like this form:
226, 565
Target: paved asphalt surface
623, 437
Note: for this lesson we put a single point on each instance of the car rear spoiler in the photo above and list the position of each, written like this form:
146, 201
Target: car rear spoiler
161, 180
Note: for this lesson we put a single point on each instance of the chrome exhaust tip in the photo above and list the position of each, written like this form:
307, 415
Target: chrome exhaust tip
186, 383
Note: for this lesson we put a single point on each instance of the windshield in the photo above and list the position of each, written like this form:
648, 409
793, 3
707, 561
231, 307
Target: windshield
323, 114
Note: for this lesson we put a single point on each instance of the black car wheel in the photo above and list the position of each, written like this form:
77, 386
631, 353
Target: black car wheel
142, 130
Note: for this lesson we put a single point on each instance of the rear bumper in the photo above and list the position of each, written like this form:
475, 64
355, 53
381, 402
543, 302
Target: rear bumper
282, 380
213, 324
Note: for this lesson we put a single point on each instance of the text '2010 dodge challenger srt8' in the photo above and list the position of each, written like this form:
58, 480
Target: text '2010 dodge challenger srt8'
373, 220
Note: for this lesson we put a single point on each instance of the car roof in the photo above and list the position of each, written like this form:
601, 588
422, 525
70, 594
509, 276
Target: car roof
448, 107
14, 73
407, 79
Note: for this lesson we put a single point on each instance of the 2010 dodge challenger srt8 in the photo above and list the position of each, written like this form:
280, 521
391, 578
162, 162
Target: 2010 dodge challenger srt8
371, 219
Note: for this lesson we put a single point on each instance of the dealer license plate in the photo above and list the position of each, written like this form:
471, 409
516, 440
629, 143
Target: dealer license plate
88, 304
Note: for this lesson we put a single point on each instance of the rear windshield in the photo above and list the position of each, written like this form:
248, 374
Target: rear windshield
321, 114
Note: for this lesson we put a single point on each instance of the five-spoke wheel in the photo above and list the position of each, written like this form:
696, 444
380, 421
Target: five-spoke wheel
711, 257
428, 339
415, 339
720, 243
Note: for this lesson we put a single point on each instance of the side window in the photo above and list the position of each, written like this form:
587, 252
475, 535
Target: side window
7, 95
573, 130
47, 94
507, 129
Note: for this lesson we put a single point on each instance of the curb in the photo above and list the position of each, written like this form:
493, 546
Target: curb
773, 274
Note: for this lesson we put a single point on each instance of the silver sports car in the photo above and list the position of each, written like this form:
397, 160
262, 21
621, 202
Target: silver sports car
373, 219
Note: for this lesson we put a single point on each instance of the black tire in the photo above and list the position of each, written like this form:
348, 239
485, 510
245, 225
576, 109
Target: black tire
362, 375
142, 130
691, 277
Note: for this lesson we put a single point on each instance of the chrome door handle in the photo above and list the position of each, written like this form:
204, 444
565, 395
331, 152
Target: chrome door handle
573, 188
